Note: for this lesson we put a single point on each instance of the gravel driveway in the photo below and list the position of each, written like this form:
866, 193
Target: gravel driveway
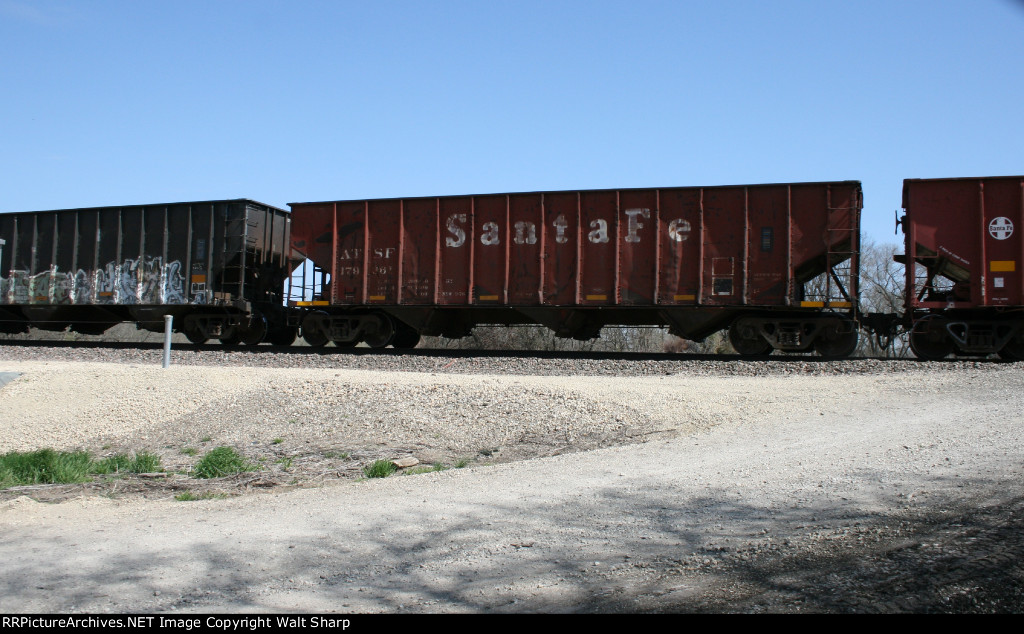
862, 486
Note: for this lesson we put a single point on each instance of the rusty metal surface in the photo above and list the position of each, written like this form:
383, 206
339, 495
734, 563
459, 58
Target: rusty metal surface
746, 246
967, 237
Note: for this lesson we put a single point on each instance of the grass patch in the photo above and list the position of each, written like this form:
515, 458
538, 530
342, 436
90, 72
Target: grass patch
379, 469
278, 441
189, 496
220, 462
47, 466
286, 463
341, 455
139, 463
461, 463
189, 451
426, 469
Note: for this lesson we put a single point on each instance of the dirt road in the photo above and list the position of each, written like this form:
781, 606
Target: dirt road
777, 493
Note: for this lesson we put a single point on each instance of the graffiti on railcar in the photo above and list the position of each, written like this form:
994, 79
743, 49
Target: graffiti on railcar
17, 288
145, 280
81, 287
173, 289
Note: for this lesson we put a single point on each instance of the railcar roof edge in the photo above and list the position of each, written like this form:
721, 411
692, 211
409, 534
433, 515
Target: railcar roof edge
167, 204
566, 191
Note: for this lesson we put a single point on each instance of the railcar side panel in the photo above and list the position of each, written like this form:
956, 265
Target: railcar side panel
383, 228
735, 246
636, 269
525, 265
457, 246
490, 216
419, 254
680, 247
562, 264
969, 232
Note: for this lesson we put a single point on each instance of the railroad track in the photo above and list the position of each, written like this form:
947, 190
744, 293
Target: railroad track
521, 362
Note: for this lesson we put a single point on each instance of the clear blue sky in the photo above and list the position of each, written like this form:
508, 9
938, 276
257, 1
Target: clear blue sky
108, 103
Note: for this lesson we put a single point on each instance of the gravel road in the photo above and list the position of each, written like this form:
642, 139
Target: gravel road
592, 485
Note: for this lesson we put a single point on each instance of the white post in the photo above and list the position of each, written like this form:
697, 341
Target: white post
168, 319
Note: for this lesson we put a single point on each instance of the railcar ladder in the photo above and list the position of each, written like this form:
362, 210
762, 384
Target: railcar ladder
849, 238
237, 233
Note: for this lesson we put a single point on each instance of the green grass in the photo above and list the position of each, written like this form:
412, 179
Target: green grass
189, 496
220, 462
189, 451
47, 466
286, 463
341, 455
379, 469
426, 469
461, 463
139, 463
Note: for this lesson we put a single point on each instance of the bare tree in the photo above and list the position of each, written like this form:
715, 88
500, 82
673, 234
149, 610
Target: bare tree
882, 281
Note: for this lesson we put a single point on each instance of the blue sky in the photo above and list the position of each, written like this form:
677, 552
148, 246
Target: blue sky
109, 102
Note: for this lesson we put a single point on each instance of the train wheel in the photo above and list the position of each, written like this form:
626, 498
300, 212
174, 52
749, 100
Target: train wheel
255, 331
929, 340
384, 333
231, 339
746, 339
282, 337
195, 336
405, 337
311, 331
1013, 350
315, 339
838, 340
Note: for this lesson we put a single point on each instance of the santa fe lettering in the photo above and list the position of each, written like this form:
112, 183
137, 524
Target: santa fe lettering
524, 232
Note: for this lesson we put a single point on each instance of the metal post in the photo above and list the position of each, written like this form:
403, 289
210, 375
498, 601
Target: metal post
168, 319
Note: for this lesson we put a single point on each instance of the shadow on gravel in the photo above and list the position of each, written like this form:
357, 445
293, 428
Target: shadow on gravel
613, 553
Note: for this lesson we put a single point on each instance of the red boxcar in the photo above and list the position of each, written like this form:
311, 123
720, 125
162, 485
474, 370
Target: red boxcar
777, 264
965, 291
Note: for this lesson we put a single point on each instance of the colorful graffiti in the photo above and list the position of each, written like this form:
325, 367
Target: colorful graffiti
145, 280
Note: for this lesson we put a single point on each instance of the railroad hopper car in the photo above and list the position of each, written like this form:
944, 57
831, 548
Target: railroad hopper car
776, 265
964, 289
218, 267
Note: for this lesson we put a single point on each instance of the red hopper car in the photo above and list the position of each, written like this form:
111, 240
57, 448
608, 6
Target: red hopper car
775, 264
965, 291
